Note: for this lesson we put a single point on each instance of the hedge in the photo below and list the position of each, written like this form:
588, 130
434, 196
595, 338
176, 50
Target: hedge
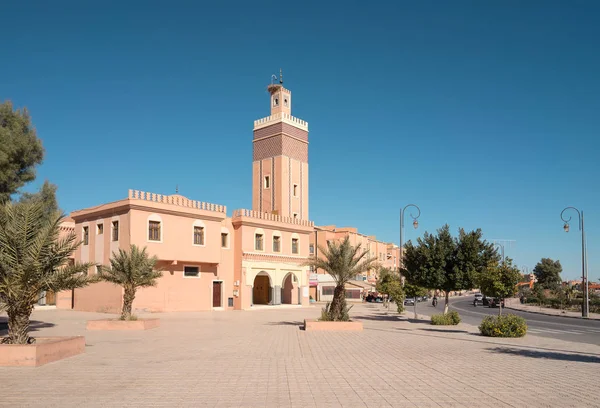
507, 325
450, 319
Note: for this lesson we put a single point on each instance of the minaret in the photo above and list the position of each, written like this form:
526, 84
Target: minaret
280, 163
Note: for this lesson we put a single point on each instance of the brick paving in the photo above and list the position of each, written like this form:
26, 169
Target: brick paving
262, 359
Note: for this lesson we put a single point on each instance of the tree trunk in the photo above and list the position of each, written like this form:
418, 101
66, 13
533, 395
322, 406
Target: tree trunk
500, 308
447, 302
128, 297
338, 303
18, 326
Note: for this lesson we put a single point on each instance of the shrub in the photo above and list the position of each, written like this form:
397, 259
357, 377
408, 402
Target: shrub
503, 326
450, 319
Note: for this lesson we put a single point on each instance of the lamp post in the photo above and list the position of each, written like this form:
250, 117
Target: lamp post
502, 248
415, 224
585, 307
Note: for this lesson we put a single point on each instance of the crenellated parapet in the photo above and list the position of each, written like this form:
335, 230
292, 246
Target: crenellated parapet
176, 200
271, 217
281, 117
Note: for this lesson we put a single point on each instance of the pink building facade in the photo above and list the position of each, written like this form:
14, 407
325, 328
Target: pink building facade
212, 261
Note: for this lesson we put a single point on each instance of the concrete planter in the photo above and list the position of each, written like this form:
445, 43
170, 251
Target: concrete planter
45, 350
317, 325
114, 324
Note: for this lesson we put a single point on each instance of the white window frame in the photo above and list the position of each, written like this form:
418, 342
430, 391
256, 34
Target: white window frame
156, 218
198, 223
192, 277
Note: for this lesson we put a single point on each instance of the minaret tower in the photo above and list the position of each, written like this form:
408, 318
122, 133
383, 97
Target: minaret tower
280, 163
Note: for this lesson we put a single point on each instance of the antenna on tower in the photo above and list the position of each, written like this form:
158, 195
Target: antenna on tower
280, 76
176, 188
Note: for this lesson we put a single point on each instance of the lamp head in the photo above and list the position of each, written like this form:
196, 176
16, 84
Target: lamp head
566, 227
416, 224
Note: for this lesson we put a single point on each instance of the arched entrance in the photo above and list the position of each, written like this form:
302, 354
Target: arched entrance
289, 290
261, 290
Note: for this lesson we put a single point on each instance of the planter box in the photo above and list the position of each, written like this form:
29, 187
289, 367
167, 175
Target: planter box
45, 350
114, 324
316, 325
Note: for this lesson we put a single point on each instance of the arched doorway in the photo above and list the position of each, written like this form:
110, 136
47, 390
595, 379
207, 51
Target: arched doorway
261, 290
289, 290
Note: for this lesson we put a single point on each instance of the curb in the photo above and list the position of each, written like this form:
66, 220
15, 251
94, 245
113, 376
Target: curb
550, 314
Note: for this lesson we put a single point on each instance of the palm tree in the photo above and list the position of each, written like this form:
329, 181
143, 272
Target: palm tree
131, 269
33, 259
343, 262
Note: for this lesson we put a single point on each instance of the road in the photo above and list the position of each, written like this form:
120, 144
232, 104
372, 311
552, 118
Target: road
564, 328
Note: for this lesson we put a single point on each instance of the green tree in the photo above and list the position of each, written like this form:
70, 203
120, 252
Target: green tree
547, 272
343, 262
499, 280
131, 269
446, 263
20, 150
389, 283
46, 196
33, 259
414, 291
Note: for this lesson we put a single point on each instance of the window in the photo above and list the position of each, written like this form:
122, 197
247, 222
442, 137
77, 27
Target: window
100, 229
311, 249
295, 215
294, 245
295, 190
98, 269
224, 240
153, 230
86, 235
198, 235
115, 230
258, 242
327, 290
285, 102
353, 294
267, 182
276, 244
191, 272
275, 101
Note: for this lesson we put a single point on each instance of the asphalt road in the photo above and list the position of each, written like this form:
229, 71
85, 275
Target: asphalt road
564, 328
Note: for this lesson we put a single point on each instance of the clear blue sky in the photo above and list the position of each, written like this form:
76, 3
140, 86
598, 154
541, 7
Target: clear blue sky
484, 113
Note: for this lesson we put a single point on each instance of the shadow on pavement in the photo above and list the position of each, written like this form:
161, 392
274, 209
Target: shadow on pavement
583, 358
379, 317
445, 330
412, 320
34, 325
285, 324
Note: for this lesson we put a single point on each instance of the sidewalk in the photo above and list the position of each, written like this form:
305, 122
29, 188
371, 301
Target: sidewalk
264, 359
515, 304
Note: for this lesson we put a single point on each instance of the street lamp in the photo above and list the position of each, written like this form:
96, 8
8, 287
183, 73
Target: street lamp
585, 307
502, 248
415, 224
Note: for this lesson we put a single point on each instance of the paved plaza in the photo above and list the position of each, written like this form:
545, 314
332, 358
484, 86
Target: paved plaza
261, 358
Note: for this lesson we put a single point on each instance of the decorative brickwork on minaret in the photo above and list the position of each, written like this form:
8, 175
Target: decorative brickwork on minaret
280, 159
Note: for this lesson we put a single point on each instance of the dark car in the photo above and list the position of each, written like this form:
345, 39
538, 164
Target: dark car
495, 302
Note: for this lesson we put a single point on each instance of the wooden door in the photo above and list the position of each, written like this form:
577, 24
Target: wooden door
217, 294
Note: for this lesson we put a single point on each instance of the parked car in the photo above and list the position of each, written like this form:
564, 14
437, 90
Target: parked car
495, 302
409, 302
478, 300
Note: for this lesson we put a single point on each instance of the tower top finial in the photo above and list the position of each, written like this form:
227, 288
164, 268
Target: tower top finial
176, 188
280, 76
